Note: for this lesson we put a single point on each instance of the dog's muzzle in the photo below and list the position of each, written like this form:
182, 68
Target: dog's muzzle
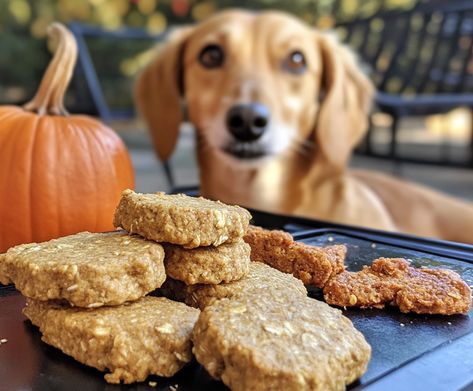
247, 123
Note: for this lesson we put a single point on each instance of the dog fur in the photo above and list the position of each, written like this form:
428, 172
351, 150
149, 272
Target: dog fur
317, 117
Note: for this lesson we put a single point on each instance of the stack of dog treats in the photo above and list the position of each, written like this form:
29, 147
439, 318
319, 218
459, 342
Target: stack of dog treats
87, 294
257, 329
202, 239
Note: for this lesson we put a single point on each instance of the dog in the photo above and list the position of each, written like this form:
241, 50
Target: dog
278, 108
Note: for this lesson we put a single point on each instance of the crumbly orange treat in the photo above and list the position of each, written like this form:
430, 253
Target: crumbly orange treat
393, 281
150, 336
86, 269
275, 342
208, 265
260, 280
313, 265
179, 219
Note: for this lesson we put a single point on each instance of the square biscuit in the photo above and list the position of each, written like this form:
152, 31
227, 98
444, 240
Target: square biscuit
179, 219
207, 265
86, 269
150, 336
277, 342
261, 280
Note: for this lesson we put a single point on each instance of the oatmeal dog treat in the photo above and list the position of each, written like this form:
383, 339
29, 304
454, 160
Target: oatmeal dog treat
86, 269
261, 280
150, 336
179, 219
3, 272
313, 265
393, 281
208, 265
279, 343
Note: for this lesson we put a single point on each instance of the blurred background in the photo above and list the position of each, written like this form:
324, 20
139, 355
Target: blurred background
418, 53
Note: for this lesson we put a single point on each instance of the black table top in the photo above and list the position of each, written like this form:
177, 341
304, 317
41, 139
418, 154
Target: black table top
409, 351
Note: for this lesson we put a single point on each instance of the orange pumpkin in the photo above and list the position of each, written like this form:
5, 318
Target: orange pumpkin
59, 173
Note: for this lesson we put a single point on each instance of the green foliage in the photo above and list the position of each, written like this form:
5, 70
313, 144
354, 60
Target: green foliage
23, 23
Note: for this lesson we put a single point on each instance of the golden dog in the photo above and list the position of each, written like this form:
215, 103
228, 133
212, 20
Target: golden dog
278, 108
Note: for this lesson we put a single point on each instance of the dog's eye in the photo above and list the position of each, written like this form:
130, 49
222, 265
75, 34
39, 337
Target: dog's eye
211, 56
295, 62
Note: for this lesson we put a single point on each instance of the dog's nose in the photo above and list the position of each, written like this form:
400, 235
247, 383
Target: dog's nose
247, 122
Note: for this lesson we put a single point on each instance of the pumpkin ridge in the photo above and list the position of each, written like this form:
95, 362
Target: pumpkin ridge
98, 207
8, 151
35, 129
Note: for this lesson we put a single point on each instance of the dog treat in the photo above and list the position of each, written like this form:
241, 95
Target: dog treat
393, 281
279, 343
86, 269
208, 265
150, 336
313, 265
3, 272
178, 219
262, 279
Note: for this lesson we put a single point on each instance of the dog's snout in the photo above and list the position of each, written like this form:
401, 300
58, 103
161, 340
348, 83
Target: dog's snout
247, 122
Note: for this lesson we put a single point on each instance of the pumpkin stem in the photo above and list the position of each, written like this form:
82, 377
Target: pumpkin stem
49, 98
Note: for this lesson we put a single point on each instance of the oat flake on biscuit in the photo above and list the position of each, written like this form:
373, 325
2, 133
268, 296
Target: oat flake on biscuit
179, 219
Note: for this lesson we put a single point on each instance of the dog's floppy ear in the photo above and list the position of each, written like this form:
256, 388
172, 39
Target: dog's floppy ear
347, 96
158, 93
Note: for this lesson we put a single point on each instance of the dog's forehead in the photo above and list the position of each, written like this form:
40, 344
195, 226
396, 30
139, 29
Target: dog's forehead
269, 25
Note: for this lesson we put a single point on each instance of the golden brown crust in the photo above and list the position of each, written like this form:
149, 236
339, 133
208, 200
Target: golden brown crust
260, 280
86, 269
279, 343
132, 341
393, 281
208, 265
178, 219
312, 265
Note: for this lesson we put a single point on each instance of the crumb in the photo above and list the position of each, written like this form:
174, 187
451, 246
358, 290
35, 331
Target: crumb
330, 239
401, 324
3, 340
174, 387
152, 384
449, 323
353, 299
373, 245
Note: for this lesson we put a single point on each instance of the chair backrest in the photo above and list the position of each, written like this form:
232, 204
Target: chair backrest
426, 50
91, 85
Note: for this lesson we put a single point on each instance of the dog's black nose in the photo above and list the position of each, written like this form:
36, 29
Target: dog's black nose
247, 122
